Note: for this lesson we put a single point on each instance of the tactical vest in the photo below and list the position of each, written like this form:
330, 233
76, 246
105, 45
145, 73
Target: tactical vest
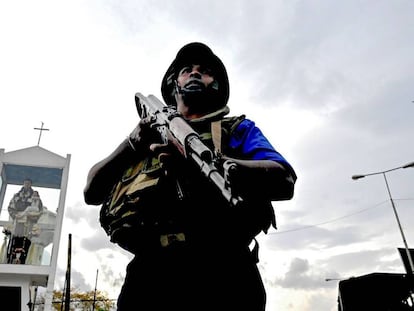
141, 212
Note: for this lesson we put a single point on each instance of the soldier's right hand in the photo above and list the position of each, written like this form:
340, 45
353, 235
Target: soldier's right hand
144, 134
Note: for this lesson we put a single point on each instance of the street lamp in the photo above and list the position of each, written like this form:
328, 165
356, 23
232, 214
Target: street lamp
337, 279
411, 164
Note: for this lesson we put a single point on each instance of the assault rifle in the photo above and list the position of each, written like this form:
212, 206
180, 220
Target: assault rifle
171, 125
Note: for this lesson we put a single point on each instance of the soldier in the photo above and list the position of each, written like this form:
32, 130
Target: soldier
191, 248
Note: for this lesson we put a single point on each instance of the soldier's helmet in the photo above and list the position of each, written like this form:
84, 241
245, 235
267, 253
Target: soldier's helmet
201, 54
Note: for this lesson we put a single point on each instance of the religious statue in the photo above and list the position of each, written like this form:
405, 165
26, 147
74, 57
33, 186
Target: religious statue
25, 209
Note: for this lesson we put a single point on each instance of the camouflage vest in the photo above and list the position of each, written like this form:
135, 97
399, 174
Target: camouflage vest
136, 214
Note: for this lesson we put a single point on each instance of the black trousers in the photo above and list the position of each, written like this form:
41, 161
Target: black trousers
187, 278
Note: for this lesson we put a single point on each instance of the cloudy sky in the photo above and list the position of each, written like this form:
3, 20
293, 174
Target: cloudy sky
329, 83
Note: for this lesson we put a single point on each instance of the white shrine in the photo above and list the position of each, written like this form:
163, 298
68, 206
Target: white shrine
30, 224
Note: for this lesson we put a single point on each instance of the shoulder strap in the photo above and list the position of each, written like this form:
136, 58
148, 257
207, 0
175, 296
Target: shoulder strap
226, 125
216, 135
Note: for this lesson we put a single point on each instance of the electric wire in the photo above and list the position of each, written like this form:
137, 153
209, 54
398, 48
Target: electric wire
335, 219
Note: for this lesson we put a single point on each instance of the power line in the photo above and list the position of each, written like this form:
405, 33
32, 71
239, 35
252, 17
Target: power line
336, 219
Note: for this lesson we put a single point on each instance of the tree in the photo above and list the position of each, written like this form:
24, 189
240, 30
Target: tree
79, 301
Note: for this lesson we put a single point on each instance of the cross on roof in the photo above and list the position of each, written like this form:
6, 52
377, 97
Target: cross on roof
41, 129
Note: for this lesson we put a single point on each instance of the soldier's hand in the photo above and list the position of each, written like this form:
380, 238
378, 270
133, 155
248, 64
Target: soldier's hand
143, 134
169, 154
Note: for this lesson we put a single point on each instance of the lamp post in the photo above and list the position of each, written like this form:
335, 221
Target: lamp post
411, 164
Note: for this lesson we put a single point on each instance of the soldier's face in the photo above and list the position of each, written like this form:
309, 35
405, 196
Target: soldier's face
191, 76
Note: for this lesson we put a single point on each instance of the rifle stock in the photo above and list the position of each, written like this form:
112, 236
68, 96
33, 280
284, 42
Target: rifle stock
188, 142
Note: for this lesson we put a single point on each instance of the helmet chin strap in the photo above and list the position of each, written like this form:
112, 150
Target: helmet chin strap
201, 99
198, 88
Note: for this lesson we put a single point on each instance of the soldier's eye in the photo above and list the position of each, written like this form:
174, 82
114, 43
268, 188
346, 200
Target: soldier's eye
185, 70
206, 71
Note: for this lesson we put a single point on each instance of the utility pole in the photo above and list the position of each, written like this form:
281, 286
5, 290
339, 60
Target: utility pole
94, 295
68, 272
383, 173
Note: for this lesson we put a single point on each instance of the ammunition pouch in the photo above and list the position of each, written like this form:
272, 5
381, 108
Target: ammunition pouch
129, 215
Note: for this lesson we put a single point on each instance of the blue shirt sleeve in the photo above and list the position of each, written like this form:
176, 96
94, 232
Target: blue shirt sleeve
249, 141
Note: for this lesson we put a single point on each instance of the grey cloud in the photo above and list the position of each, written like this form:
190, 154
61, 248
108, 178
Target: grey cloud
364, 262
77, 279
110, 277
301, 276
322, 57
304, 275
99, 240
316, 237
82, 212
